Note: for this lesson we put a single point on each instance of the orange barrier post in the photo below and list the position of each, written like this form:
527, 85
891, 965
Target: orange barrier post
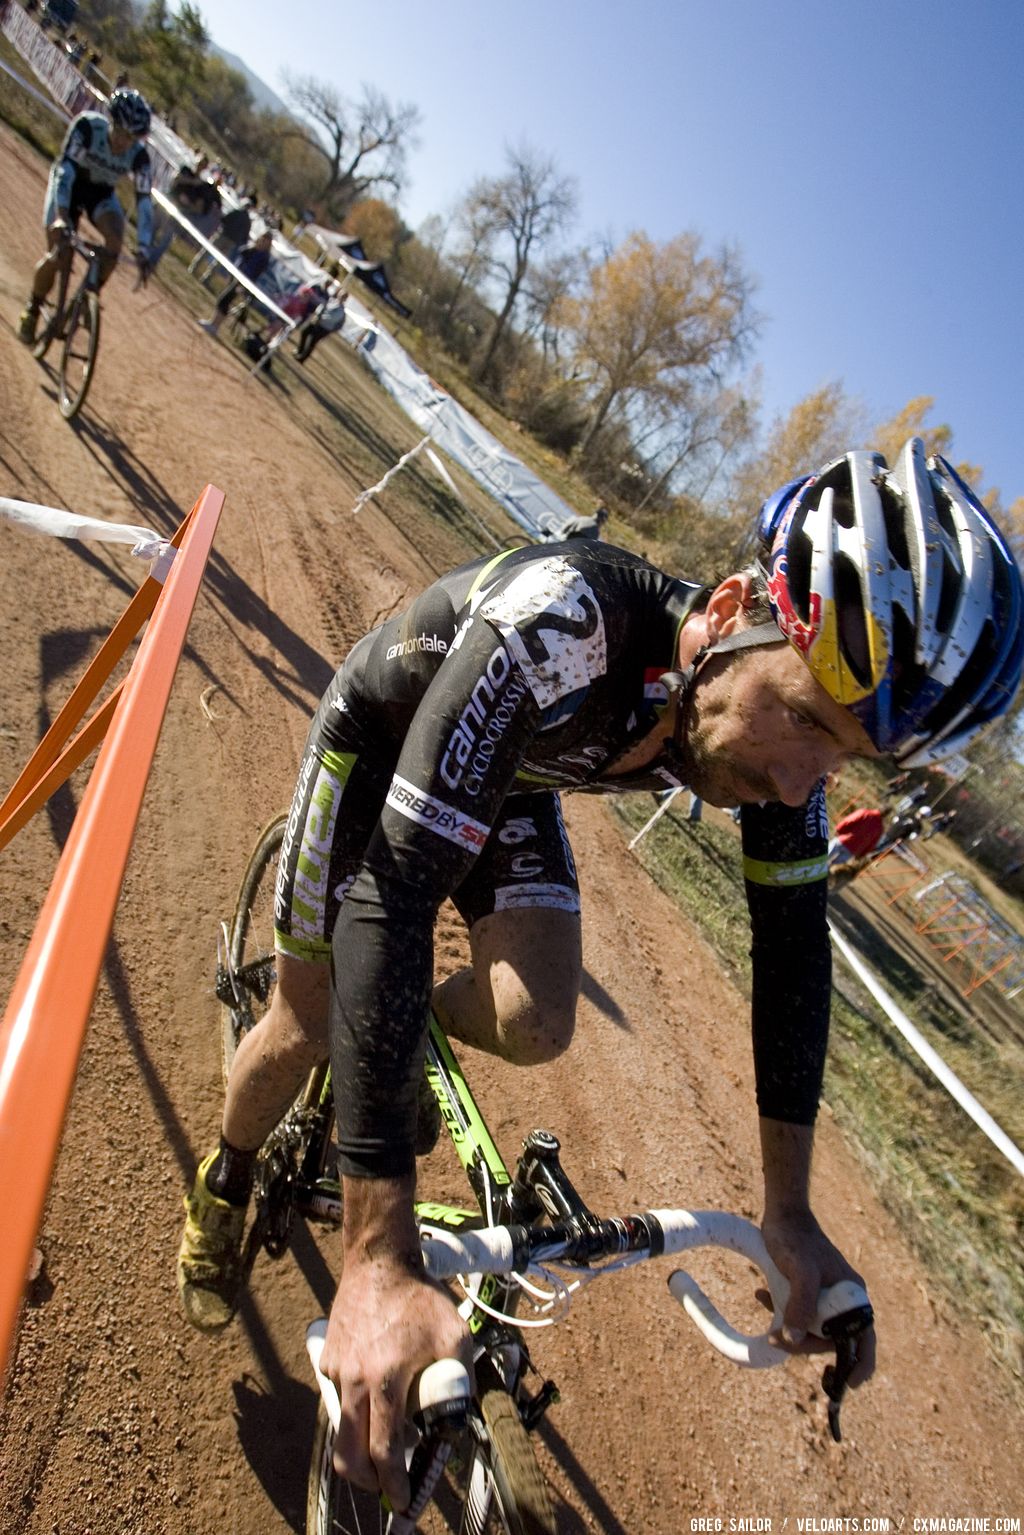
27, 794
44, 1027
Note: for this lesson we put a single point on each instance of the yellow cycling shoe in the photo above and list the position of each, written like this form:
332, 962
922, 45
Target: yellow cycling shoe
211, 1263
27, 322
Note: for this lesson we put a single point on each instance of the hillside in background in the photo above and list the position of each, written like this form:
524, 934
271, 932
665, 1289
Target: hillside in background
263, 97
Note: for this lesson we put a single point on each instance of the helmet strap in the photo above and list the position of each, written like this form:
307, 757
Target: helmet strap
683, 683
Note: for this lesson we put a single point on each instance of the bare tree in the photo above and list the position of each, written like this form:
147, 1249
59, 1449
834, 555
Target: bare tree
475, 229
366, 141
529, 205
550, 284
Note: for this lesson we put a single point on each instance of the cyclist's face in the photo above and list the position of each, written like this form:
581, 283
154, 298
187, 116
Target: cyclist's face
120, 139
763, 729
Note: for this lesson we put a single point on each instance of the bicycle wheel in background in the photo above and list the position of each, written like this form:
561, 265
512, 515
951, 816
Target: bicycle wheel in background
246, 987
78, 357
492, 1486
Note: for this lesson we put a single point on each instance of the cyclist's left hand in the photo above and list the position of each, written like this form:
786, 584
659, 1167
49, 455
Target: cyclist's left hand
805, 1256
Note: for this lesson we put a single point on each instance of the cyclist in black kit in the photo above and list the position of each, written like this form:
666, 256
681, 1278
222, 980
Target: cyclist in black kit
883, 616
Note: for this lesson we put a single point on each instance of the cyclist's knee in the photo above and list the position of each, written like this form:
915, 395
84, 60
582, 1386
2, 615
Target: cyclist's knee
533, 1032
300, 1007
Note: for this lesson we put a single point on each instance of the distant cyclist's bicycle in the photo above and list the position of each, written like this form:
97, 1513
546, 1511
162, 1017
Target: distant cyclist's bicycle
73, 320
515, 1261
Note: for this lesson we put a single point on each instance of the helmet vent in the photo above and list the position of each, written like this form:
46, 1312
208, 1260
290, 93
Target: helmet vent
844, 511
952, 581
909, 677
970, 679
944, 512
853, 634
896, 529
799, 554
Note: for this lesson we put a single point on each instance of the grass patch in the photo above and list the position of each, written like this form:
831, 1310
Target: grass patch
40, 125
957, 1200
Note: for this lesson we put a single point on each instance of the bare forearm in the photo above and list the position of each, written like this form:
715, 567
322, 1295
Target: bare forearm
786, 1161
378, 1224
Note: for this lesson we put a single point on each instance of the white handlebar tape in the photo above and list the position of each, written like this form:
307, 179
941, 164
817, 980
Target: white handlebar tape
472, 1252
754, 1353
716, 1228
316, 1335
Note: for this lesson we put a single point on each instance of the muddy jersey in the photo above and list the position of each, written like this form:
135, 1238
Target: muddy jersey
87, 164
529, 673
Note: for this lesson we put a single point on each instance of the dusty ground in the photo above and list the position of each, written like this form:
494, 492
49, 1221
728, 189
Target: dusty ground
118, 1418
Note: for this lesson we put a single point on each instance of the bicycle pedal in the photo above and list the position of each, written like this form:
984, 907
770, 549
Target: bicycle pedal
533, 1408
223, 989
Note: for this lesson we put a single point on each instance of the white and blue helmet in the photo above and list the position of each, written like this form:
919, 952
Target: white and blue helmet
130, 110
902, 596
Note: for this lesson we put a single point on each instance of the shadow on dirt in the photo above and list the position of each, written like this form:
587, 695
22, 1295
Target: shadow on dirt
275, 1430
603, 1001
568, 1521
275, 1421
293, 667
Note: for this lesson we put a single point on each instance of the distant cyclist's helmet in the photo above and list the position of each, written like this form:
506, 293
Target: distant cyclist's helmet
130, 110
902, 596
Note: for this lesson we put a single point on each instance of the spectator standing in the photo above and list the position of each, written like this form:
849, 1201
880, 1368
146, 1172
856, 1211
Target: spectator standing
252, 262
322, 322
306, 217
232, 235
196, 198
857, 835
585, 527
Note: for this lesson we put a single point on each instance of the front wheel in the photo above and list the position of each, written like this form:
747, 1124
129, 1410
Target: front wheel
492, 1485
78, 358
249, 969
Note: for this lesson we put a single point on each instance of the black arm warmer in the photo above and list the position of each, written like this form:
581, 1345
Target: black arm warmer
785, 864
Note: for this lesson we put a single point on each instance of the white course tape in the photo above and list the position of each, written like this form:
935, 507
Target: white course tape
932, 1059
146, 544
443, 472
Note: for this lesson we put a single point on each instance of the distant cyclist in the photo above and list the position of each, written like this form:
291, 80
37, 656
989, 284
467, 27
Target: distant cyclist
97, 151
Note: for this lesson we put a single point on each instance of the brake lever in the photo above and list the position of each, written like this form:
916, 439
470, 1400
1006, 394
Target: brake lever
844, 1330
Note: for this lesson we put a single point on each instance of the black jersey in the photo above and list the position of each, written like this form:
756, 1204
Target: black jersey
535, 671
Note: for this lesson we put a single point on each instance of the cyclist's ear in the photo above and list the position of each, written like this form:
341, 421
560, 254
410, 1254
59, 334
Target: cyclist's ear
727, 606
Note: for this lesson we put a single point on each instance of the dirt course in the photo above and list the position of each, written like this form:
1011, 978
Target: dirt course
120, 1419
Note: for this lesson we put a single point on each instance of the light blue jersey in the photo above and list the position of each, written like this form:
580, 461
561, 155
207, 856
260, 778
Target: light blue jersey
86, 172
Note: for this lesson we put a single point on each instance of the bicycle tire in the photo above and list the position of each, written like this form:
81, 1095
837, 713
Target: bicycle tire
78, 354
251, 937
54, 319
497, 1488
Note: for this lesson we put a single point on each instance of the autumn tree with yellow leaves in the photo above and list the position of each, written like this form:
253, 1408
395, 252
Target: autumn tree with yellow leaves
655, 328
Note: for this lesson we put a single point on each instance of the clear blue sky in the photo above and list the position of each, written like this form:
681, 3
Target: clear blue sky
865, 156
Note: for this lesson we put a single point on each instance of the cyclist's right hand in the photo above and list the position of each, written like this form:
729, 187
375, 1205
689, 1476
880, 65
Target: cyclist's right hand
388, 1322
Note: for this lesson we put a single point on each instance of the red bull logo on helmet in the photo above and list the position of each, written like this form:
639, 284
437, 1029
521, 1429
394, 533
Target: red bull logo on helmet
799, 633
